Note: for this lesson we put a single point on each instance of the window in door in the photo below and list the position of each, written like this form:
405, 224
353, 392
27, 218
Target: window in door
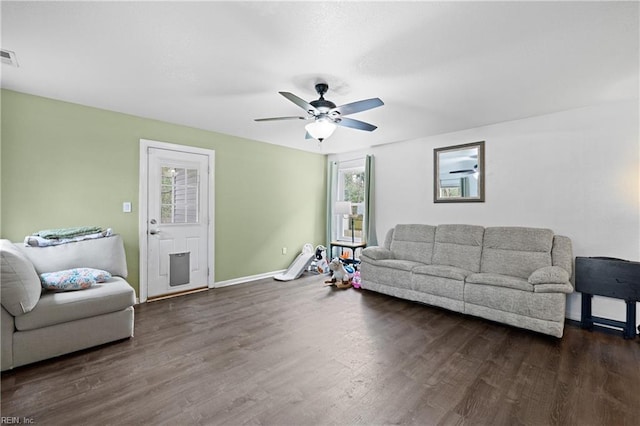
179, 195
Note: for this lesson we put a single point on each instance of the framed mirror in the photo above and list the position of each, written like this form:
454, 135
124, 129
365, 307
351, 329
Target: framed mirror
458, 173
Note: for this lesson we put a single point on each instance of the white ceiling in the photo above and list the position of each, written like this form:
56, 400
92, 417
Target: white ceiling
438, 66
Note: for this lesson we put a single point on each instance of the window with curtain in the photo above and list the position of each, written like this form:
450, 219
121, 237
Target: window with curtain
351, 187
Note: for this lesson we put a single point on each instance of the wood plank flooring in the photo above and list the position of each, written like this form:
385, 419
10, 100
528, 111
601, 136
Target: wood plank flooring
299, 353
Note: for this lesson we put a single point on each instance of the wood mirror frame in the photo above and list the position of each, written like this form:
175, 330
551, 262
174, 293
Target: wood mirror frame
458, 173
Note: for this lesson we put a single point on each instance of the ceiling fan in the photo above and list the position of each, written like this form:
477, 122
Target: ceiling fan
466, 171
327, 115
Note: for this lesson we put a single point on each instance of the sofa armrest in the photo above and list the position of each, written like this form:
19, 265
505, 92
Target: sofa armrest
550, 279
562, 253
549, 275
388, 238
377, 253
553, 288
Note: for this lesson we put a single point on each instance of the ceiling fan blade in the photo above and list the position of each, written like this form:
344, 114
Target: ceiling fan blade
279, 118
358, 106
300, 102
355, 124
475, 169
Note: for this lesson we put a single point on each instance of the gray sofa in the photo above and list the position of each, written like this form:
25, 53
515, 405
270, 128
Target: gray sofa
514, 275
38, 324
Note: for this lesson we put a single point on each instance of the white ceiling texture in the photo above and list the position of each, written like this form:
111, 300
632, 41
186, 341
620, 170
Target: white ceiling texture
438, 66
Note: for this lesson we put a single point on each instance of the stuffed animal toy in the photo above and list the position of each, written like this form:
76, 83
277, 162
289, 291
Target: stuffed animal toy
340, 277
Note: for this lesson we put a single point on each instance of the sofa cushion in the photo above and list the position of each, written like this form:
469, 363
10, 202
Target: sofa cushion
102, 253
443, 271
516, 251
498, 280
73, 279
403, 265
20, 283
413, 242
458, 245
55, 308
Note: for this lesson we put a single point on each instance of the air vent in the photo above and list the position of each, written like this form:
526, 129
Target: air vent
8, 57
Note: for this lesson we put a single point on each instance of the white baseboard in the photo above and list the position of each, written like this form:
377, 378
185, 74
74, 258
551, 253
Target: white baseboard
247, 279
240, 280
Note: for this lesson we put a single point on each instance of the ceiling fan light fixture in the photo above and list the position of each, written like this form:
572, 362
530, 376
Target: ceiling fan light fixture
327, 115
320, 129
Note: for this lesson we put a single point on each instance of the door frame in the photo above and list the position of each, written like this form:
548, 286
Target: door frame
143, 196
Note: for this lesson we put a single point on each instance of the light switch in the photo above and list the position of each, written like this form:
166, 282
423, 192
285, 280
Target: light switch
126, 207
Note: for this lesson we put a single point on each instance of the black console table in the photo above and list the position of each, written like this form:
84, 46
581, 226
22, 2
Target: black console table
603, 276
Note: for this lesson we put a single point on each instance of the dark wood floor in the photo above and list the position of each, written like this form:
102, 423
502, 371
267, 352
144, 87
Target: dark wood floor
298, 353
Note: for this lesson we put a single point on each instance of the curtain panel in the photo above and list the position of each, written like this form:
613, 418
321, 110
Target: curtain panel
369, 227
332, 182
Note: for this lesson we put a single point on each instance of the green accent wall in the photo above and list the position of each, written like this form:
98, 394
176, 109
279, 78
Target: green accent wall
67, 165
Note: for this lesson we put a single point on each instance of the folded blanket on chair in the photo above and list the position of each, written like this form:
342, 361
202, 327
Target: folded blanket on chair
78, 231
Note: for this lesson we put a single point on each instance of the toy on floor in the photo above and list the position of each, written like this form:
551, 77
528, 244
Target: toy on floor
340, 277
355, 282
350, 270
321, 264
299, 265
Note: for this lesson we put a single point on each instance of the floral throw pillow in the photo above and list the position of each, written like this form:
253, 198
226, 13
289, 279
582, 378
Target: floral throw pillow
73, 279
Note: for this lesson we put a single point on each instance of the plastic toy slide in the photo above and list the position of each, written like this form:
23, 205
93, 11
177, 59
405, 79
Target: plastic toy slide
298, 266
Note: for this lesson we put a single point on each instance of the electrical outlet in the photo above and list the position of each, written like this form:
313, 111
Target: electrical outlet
284, 250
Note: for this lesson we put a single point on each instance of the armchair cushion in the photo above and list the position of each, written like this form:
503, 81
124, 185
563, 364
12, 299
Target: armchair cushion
105, 253
20, 283
65, 306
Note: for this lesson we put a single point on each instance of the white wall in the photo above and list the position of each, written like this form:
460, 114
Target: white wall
576, 172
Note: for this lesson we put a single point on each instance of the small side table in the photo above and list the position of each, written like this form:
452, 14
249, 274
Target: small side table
349, 245
616, 278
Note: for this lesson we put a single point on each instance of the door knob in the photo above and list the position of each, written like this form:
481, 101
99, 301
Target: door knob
153, 231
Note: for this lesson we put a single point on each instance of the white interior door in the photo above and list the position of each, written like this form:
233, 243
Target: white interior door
177, 221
